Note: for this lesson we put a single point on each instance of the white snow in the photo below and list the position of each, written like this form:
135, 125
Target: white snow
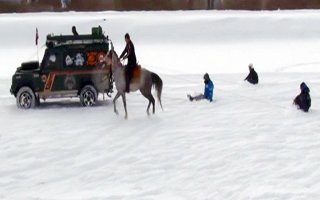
250, 143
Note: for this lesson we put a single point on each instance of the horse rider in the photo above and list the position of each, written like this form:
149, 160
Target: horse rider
129, 53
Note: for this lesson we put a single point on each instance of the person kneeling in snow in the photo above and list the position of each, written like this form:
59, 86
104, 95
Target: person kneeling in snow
303, 100
208, 90
253, 76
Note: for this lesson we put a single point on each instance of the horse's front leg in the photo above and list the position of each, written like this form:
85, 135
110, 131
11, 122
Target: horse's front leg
125, 104
114, 103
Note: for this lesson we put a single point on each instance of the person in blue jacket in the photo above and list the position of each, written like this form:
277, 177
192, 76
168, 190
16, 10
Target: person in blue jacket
208, 90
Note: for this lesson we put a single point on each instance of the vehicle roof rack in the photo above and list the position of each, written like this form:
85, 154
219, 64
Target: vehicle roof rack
97, 37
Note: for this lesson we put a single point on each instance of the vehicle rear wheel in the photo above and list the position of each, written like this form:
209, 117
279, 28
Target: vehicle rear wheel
88, 96
26, 98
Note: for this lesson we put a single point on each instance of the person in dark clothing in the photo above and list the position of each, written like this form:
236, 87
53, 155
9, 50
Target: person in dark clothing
208, 90
253, 76
74, 31
303, 100
129, 53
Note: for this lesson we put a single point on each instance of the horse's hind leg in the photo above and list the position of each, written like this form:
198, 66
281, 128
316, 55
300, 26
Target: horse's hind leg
148, 107
114, 103
125, 104
151, 101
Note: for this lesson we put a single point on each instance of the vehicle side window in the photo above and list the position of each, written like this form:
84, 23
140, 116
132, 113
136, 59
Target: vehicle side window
51, 60
74, 59
92, 58
95, 58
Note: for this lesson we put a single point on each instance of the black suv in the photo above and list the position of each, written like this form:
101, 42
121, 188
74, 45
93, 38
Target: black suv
72, 66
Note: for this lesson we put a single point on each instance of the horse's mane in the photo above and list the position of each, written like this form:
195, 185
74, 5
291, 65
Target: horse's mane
111, 52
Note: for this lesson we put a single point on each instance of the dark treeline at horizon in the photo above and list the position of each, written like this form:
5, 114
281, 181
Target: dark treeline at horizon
9, 6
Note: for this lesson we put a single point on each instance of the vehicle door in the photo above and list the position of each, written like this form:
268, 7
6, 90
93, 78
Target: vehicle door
51, 68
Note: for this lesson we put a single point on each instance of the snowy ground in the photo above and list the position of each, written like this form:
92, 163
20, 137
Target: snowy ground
251, 143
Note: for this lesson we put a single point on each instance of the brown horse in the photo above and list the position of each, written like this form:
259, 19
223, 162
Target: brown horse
142, 80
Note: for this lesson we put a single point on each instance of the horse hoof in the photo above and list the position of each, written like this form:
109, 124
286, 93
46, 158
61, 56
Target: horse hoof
126, 117
116, 112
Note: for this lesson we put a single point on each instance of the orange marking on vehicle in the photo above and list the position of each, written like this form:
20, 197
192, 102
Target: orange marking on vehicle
44, 78
50, 80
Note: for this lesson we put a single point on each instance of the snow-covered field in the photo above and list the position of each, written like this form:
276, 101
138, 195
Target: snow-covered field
250, 143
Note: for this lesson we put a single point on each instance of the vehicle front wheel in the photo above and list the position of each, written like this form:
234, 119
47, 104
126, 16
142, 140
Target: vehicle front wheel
88, 96
26, 98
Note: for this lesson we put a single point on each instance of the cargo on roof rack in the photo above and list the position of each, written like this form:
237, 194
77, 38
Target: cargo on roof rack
97, 37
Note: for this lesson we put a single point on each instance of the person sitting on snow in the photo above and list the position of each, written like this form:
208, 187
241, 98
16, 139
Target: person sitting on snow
208, 90
303, 100
253, 76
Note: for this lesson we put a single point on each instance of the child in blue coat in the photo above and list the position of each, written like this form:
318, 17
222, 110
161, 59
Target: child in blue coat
208, 90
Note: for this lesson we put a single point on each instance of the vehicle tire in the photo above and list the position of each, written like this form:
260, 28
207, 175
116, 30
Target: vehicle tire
26, 98
88, 96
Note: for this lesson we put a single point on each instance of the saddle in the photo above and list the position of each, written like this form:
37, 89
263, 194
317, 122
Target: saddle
135, 76
136, 72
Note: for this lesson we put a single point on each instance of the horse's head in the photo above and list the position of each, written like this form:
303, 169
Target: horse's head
109, 57
113, 59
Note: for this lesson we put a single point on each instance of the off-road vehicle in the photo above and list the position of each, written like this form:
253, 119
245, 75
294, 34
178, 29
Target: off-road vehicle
72, 66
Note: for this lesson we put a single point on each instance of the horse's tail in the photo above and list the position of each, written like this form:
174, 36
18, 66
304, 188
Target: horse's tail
157, 82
